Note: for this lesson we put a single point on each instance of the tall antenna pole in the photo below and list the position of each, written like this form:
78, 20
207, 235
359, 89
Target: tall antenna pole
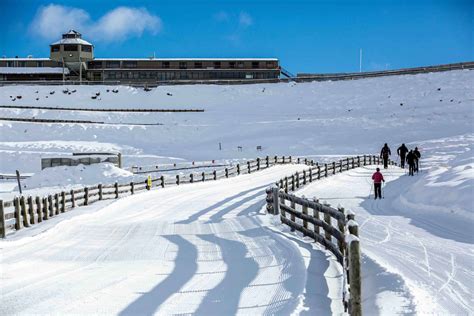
360, 60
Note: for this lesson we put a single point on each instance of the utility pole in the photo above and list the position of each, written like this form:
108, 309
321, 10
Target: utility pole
360, 60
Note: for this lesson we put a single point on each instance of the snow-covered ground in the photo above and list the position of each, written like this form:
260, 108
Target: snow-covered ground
416, 243
203, 248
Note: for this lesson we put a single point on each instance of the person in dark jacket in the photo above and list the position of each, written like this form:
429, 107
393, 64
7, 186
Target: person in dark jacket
384, 154
411, 158
402, 152
378, 179
418, 156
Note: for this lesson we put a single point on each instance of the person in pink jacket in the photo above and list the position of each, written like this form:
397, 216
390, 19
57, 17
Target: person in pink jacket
378, 179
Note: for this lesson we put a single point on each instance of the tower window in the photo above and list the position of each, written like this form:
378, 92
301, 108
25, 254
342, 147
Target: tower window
70, 48
87, 48
55, 48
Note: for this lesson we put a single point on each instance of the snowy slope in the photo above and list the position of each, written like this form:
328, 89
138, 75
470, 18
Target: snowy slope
422, 230
285, 118
417, 242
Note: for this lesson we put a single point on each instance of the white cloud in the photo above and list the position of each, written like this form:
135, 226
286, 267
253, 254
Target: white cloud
118, 24
245, 19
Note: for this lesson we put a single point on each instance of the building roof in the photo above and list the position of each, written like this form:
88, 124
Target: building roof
33, 70
189, 59
23, 59
72, 41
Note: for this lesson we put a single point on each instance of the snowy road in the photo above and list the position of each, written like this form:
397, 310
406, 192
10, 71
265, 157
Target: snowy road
430, 250
200, 248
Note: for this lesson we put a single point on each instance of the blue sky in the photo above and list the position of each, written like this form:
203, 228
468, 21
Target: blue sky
307, 36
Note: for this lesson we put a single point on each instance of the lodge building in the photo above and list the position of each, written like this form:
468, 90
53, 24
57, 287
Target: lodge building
72, 59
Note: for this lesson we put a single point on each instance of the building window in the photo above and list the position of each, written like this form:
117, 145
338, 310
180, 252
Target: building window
10, 64
112, 64
95, 64
21, 64
240, 64
129, 64
198, 65
55, 48
217, 64
39, 64
111, 75
254, 64
270, 64
87, 48
70, 48
183, 65
232, 64
166, 64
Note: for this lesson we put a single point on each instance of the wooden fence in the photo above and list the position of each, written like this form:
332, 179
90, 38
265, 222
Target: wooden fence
334, 228
24, 211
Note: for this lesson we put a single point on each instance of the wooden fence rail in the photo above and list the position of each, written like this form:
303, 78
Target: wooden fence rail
23, 212
334, 228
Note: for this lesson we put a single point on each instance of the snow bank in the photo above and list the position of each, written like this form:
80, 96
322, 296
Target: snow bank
66, 176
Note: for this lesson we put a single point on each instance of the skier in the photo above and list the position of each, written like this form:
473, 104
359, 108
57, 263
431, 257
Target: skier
378, 179
411, 162
402, 151
418, 156
384, 153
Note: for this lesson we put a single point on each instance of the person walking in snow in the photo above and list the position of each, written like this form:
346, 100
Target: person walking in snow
411, 158
418, 156
378, 179
384, 154
402, 152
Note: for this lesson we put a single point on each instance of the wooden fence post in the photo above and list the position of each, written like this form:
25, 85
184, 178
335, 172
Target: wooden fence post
305, 212
258, 164
86, 196
226, 172
3, 229
45, 208
56, 203
63, 202
162, 179
132, 188
341, 228
18, 221
355, 278
267, 161
310, 175
116, 187
214, 173
31, 210
358, 161
177, 179
100, 191
248, 166
297, 179
327, 219
333, 167
365, 163
325, 169
340, 165
316, 216
282, 210
276, 160
24, 214
276, 202
291, 159
191, 176
50, 205
292, 182
319, 172
238, 169
203, 176
73, 199
286, 184
298, 160
304, 177
39, 210
292, 216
